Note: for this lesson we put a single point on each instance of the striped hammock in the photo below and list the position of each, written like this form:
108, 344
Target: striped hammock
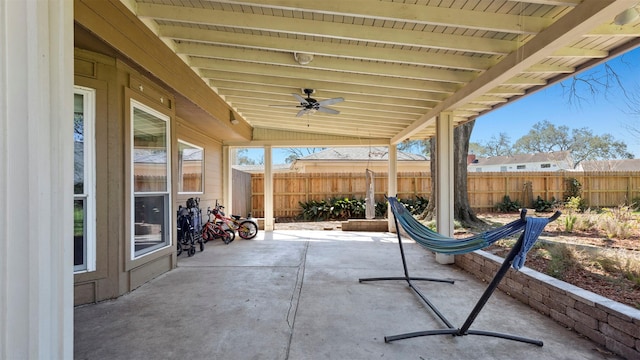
439, 243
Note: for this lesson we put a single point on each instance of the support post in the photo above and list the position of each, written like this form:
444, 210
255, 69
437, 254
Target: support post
268, 189
227, 178
36, 179
444, 180
393, 182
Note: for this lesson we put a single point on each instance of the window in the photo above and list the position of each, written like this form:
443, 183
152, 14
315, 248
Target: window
190, 168
503, 168
521, 167
151, 207
545, 166
84, 185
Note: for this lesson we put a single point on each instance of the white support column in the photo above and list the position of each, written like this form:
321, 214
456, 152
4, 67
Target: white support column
36, 179
268, 189
393, 181
444, 180
227, 179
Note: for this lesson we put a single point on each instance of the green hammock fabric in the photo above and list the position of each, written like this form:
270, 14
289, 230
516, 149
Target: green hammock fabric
439, 243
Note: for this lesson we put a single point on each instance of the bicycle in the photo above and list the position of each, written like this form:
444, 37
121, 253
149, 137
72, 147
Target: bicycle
247, 228
216, 229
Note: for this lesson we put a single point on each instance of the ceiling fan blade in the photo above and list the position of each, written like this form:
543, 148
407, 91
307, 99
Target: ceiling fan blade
327, 110
301, 112
330, 101
300, 99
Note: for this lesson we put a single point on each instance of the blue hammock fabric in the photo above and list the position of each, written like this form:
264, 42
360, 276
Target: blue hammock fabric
532, 231
439, 243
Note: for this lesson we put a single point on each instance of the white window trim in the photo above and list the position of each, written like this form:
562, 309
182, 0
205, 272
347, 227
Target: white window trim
132, 246
89, 115
201, 174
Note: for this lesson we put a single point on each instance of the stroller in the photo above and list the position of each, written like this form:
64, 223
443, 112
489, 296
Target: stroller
190, 227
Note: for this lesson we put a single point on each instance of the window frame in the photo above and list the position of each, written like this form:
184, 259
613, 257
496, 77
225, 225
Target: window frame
167, 193
180, 173
89, 179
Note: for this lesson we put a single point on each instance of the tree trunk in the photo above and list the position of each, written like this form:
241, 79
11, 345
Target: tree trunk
430, 212
461, 209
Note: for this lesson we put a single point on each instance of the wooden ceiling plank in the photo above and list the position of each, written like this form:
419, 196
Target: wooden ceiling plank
419, 14
237, 98
545, 68
345, 111
461, 62
573, 52
324, 75
333, 30
527, 81
324, 63
384, 100
320, 84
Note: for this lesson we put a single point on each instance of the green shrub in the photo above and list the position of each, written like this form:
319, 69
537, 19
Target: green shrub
569, 222
575, 203
507, 205
314, 210
338, 209
381, 209
416, 205
541, 205
573, 188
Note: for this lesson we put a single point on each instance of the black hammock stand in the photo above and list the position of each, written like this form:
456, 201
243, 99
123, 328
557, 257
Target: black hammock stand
530, 229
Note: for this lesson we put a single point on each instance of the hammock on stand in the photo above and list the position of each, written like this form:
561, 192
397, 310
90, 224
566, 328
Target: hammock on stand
530, 229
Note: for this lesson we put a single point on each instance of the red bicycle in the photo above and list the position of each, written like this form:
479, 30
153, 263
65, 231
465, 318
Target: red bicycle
247, 227
214, 229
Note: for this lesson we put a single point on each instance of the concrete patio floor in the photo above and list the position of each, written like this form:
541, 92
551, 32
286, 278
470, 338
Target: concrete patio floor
295, 295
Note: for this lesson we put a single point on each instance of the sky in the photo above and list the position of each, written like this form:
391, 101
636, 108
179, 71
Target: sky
605, 112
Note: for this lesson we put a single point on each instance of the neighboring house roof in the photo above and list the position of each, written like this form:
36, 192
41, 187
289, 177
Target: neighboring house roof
559, 157
149, 156
378, 153
78, 167
192, 154
260, 168
610, 165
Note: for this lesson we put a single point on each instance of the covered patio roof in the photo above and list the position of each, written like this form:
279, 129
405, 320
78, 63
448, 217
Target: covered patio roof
398, 64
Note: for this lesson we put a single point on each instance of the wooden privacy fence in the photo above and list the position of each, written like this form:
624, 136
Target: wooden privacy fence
599, 189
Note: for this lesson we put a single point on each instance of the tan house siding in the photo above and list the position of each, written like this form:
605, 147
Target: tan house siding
212, 188
116, 83
99, 72
154, 76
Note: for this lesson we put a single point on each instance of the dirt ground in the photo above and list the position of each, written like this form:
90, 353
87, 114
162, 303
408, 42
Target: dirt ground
318, 225
587, 274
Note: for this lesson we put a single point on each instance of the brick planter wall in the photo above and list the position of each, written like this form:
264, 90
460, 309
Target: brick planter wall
608, 323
